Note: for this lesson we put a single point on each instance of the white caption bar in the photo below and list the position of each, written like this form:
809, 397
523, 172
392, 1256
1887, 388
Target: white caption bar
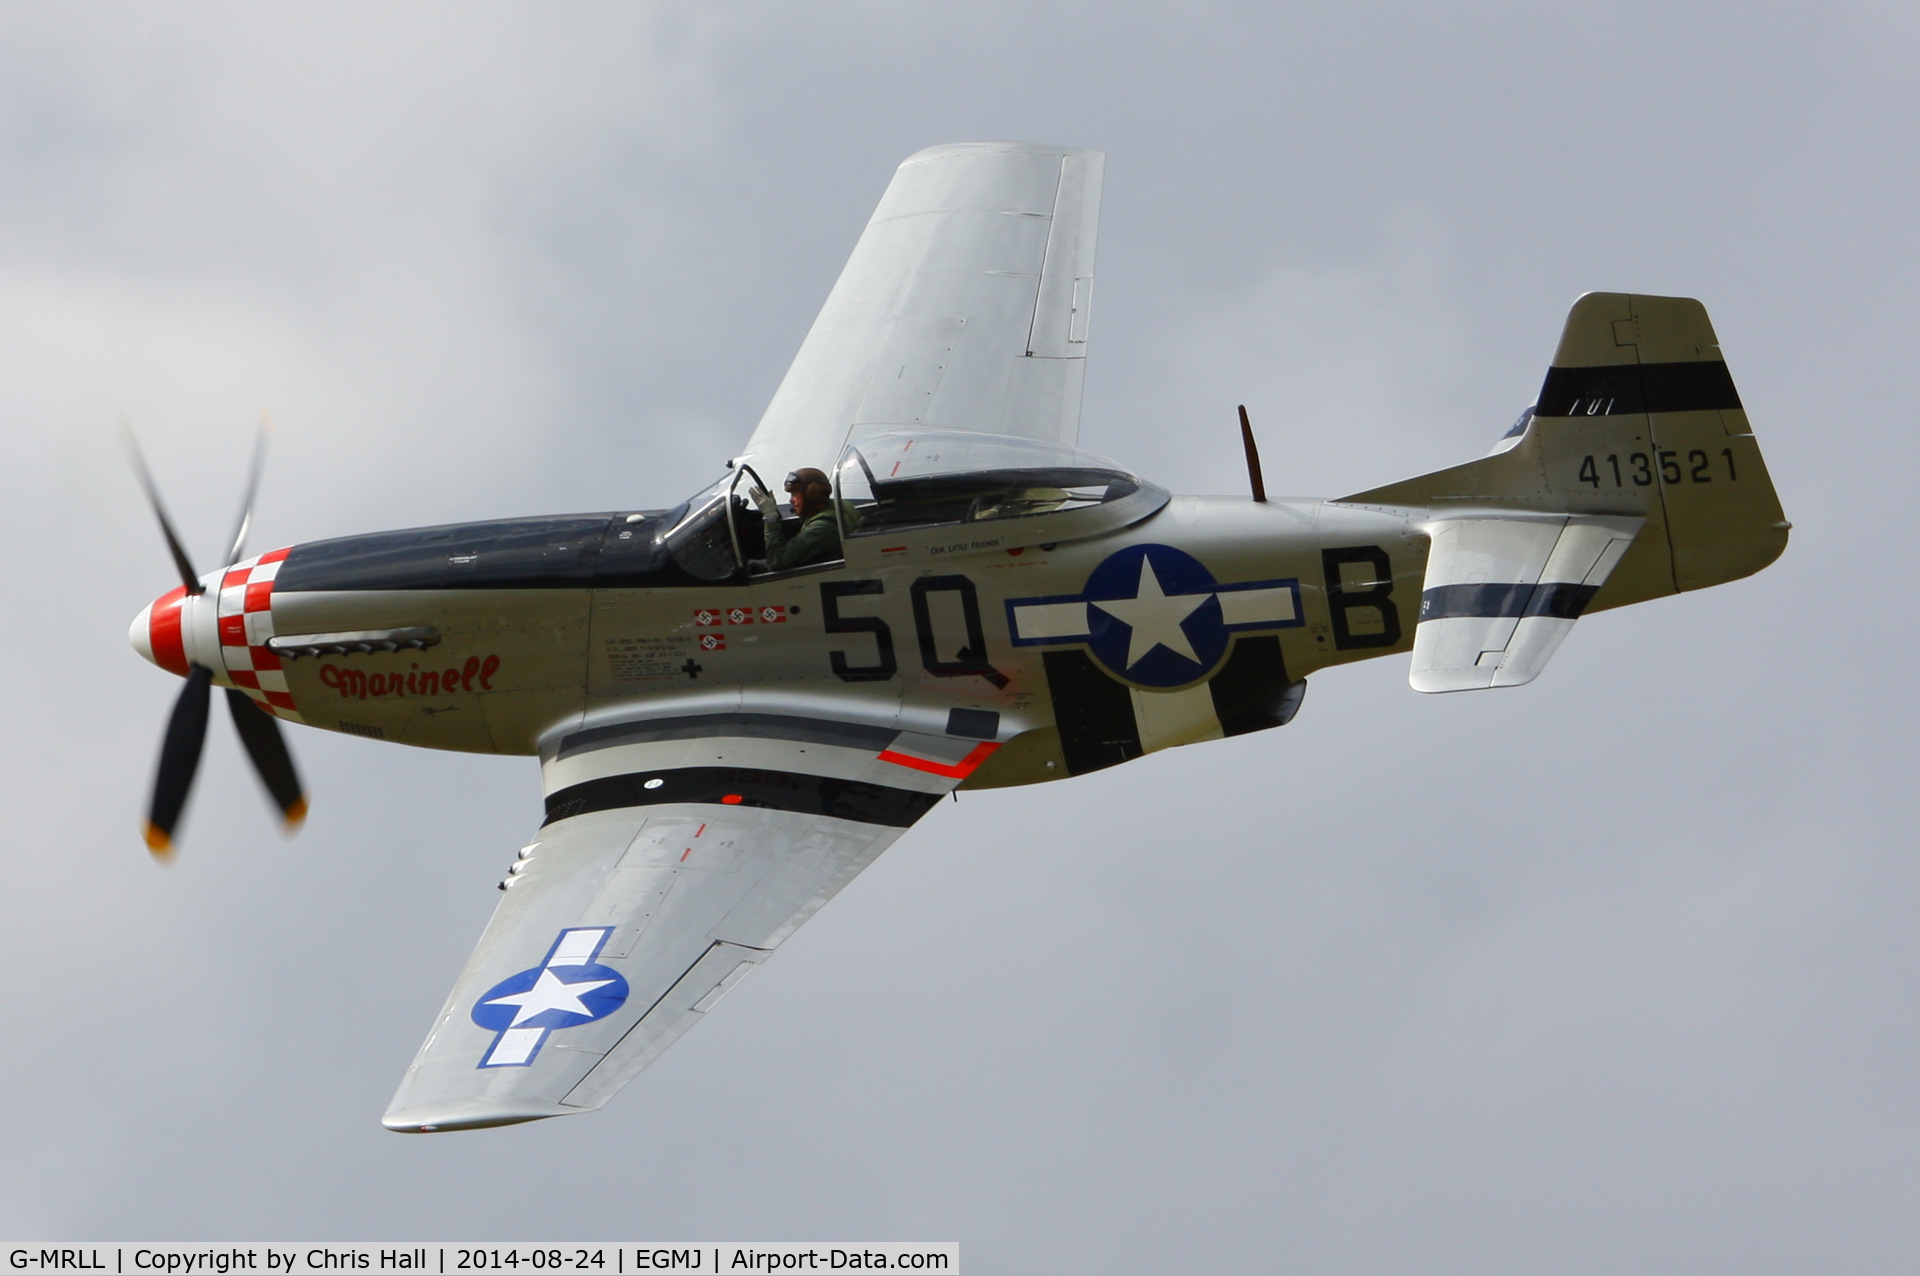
441, 1258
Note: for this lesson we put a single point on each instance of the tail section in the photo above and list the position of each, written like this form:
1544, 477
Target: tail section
1638, 418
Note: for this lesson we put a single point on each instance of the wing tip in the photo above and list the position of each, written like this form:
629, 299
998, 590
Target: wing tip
476, 1117
966, 148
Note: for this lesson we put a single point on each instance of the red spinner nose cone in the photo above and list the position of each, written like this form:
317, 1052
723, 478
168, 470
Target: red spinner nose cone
155, 633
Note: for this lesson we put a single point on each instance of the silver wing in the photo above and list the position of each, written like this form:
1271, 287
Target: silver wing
964, 306
677, 854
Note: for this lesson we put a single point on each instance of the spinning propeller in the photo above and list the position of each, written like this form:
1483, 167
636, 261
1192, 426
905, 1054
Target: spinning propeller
187, 728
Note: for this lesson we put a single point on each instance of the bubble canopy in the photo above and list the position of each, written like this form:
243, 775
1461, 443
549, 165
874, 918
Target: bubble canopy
1023, 489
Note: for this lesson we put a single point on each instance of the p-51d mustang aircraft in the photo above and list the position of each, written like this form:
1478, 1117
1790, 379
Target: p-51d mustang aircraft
727, 736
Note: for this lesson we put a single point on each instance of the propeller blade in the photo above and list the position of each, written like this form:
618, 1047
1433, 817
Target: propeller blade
187, 728
253, 485
180, 559
260, 733
179, 759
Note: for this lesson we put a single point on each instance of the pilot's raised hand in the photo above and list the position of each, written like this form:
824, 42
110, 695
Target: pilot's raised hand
769, 508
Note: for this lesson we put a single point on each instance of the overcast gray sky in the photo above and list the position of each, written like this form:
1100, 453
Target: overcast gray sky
1618, 971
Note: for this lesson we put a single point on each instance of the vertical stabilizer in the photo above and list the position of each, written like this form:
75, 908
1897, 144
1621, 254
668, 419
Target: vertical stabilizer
1638, 418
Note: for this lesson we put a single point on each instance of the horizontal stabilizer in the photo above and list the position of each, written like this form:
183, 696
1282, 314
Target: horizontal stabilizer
1502, 591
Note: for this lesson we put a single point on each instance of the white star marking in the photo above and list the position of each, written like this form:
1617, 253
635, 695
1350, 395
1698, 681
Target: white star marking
1154, 617
549, 994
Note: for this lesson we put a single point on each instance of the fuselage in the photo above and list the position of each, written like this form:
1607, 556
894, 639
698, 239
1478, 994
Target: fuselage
1188, 624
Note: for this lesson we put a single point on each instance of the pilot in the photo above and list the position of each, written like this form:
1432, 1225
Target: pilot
818, 539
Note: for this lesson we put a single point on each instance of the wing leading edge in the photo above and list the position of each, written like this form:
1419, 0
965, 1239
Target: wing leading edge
965, 305
676, 855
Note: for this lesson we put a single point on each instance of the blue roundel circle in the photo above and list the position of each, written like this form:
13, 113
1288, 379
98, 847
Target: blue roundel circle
551, 997
1164, 627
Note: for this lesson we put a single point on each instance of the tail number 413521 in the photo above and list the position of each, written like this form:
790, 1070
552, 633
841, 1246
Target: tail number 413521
1637, 469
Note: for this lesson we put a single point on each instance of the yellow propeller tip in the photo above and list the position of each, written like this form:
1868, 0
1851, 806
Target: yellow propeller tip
159, 843
296, 814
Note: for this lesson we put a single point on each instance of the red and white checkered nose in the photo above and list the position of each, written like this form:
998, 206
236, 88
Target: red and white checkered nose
226, 629
159, 631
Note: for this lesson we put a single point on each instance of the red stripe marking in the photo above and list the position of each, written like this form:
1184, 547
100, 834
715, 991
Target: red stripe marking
280, 700
277, 555
259, 596
235, 579
685, 853
233, 631
697, 832
731, 799
163, 631
264, 658
241, 678
958, 771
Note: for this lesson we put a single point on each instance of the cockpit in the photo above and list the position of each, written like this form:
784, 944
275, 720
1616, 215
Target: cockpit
698, 540
1033, 491
893, 482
